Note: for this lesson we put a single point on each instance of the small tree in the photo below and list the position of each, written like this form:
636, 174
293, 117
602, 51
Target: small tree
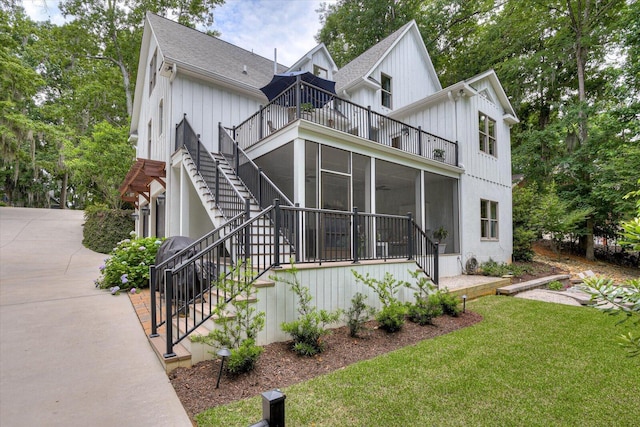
238, 332
311, 325
425, 309
391, 317
358, 314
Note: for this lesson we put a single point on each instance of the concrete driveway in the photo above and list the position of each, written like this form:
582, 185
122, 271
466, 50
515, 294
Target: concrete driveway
70, 354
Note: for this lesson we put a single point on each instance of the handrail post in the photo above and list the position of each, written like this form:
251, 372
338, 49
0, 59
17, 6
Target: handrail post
260, 123
436, 273
168, 280
456, 146
276, 232
198, 151
298, 230
260, 188
247, 230
356, 235
420, 140
217, 182
409, 237
369, 123
298, 96
153, 278
236, 154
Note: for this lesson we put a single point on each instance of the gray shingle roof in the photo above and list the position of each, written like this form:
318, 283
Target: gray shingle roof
361, 65
188, 46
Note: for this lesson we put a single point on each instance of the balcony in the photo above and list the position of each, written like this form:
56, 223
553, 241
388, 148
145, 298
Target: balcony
344, 116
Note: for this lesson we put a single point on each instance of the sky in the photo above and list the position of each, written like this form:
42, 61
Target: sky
255, 25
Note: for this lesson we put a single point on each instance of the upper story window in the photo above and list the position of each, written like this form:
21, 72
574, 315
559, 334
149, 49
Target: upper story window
487, 134
152, 71
320, 72
160, 117
488, 220
385, 84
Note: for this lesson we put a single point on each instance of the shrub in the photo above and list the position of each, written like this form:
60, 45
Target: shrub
555, 286
423, 311
244, 358
391, 317
311, 324
495, 269
128, 263
358, 314
450, 303
105, 227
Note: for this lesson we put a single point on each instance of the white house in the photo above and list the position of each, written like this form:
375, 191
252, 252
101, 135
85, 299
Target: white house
390, 141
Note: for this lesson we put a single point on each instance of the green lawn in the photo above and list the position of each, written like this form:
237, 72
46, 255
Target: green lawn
527, 363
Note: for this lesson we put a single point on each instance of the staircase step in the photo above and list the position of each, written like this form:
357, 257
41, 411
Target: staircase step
182, 358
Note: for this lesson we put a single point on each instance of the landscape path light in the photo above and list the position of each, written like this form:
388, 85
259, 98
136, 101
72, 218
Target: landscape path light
223, 353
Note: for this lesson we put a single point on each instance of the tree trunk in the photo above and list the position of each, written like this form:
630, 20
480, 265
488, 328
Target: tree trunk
63, 191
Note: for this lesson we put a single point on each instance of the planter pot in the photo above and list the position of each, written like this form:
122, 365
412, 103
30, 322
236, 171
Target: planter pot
442, 247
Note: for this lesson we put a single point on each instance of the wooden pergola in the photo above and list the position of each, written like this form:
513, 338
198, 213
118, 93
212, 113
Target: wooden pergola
138, 180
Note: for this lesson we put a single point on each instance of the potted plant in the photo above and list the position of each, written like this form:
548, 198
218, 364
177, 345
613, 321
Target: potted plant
439, 235
438, 154
306, 109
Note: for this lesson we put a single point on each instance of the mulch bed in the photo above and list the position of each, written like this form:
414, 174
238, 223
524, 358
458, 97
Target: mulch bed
279, 367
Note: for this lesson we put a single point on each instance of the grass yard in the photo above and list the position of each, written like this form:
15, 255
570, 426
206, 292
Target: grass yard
528, 363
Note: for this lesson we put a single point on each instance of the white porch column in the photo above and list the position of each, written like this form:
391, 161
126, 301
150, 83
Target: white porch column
299, 171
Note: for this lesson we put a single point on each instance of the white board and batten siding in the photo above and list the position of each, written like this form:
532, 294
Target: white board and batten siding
332, 288
205, 105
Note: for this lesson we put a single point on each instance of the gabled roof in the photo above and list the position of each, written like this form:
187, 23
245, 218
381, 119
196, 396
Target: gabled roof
503, 99
307, 57
186, 46
361, 67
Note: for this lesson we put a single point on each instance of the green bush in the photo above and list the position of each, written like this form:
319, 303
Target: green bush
358, 314
555, 286
424, 310
311, 324
243, 359
128, 264
392, 317
523, 244
450, 303
104, 228
495, 269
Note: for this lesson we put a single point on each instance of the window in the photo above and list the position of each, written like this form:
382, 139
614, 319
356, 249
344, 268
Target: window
149, 140
487, 134
385, 84
160, 117
152, 71
489, 219
320, 72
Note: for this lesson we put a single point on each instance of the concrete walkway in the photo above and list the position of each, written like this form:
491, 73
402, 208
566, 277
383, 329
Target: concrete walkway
70, 354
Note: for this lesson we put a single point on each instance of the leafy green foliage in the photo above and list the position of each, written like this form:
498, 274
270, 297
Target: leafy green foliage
391, 316
618, 300
128, 263
524, 220
238, 332
311, 324
496, 269
105, 227
449, 303
243, 359
424, 309
358, 314
555, 286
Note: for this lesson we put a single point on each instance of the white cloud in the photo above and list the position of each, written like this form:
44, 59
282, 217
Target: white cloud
256, 25
262, 25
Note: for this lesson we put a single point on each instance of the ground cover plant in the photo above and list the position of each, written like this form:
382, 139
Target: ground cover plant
527, 363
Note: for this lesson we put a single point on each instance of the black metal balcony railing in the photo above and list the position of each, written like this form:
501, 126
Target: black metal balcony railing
344, 116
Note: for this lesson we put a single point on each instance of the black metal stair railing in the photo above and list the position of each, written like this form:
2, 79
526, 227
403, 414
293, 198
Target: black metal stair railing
263, 190
226, 196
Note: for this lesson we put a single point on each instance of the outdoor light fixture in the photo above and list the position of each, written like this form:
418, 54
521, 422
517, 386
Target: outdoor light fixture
145, 210
161, 199
464, 303
224, 353
135, 216
405, 131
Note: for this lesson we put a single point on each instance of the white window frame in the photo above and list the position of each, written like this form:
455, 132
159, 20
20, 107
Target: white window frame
160, 117
153, 71
489, 225
386, 93
487, 134
149, 138
320, 72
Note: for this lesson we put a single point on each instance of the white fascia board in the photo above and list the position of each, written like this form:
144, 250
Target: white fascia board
456, 90
206, 75
142, 70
